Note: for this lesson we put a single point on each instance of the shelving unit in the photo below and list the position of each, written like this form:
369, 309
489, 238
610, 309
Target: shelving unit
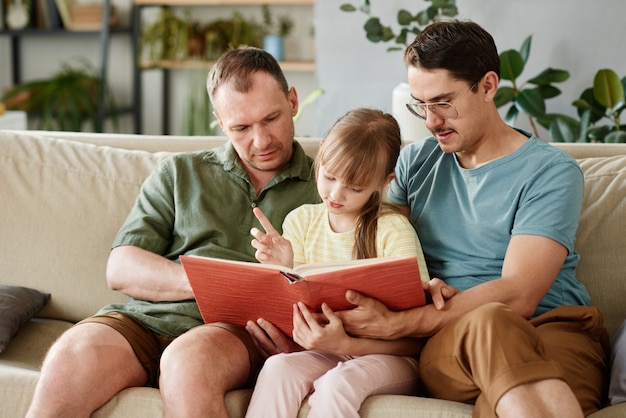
104, 35
167, 66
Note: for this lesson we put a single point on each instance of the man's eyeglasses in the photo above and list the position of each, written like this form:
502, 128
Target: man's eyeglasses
443, 110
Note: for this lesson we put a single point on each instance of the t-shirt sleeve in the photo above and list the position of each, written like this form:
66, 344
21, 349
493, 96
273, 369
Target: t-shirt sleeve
551, 205
399, 239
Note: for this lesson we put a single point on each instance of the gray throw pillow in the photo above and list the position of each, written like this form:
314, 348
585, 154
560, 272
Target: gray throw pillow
17, 306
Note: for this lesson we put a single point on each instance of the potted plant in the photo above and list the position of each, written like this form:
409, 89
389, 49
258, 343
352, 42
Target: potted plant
66, 100
233, 31
275, 32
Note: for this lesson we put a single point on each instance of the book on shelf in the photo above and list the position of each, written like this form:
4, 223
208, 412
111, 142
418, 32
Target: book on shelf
237, 291
84, 16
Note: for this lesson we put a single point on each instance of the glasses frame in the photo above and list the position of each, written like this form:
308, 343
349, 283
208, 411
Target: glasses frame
427, 107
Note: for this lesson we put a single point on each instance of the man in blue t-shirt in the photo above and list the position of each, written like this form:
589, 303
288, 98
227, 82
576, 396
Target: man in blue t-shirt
496, 211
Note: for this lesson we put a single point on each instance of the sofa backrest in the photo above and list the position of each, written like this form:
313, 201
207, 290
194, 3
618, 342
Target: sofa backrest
601, 236
62, 200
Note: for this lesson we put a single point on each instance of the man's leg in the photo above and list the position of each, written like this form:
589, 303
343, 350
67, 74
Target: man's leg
84, 368
487, 353
200, 366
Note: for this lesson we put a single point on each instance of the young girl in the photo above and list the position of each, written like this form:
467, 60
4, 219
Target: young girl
355, 162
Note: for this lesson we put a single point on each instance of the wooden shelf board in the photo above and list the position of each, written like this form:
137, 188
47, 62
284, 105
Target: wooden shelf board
301, 66
218, 2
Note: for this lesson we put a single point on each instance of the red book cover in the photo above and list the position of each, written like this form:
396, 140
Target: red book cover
235, 291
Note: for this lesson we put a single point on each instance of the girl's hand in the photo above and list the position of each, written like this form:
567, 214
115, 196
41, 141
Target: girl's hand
310, 334
270, 247
439, 292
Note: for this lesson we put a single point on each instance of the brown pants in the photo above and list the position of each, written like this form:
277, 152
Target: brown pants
487, 352
148, 345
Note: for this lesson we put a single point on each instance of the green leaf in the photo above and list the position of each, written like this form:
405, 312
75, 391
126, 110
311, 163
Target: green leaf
597, 110
616, 137
607, 88
597, 133
450, 11
347, 7
550, 75
531, 102
423, 18
564, 129
511, 115
548, 91
525, 49
548, 118
404, 17
504, 95
373, 29
511, 65
561, 132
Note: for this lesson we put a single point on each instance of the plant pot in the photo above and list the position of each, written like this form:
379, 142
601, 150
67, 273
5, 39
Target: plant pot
275, 45
411, 127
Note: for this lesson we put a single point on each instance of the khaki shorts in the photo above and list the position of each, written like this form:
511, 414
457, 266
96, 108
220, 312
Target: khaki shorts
149, 345
488, 351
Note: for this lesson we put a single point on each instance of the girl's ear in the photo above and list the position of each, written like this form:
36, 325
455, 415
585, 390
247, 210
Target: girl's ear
390, 177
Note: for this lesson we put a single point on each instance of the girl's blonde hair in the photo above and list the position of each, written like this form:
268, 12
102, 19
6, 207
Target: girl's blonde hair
362, 148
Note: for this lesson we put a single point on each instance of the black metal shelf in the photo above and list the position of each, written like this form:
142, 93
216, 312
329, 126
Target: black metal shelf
105, 38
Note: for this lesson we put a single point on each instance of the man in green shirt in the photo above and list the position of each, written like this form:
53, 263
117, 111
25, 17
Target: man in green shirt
193, 203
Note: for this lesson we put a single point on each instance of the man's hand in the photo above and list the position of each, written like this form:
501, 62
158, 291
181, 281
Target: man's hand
271, 247
371, 319
269, 339
368, 319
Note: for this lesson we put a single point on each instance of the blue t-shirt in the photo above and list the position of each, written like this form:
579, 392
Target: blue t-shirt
465, 218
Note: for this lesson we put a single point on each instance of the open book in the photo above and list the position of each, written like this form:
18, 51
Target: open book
236, 291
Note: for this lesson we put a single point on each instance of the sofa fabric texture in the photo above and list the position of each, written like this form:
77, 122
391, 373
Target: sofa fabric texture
63, 197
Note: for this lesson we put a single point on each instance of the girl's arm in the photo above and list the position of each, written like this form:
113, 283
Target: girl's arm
331, 336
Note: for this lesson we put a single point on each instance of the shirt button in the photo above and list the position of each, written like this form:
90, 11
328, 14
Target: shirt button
253, 205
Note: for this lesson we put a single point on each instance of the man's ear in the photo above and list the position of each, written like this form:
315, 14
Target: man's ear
292, 96
219, 120
490, 84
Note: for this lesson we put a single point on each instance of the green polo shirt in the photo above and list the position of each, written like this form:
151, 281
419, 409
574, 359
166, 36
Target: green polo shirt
201, 203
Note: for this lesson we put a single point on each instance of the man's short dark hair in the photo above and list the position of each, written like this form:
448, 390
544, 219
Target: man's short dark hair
463, 48
237, 64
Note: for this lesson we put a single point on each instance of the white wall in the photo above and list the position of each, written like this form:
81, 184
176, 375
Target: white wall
580, 36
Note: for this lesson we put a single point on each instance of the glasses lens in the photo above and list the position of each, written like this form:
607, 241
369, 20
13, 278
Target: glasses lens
416, 110
444, 110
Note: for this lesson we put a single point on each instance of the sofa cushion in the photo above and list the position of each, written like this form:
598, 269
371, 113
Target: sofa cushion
62, 203
600, 237
18, 304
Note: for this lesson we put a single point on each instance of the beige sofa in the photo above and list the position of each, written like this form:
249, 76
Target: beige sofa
62, 201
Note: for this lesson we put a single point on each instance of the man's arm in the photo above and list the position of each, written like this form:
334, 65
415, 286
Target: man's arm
146, 276
531, 265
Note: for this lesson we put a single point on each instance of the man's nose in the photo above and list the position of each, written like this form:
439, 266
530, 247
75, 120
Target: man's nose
262, 137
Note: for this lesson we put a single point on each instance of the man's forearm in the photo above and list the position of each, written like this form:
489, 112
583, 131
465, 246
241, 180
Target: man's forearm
147, 276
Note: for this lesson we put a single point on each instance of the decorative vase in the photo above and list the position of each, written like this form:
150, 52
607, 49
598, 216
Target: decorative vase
411, 127
274, 44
